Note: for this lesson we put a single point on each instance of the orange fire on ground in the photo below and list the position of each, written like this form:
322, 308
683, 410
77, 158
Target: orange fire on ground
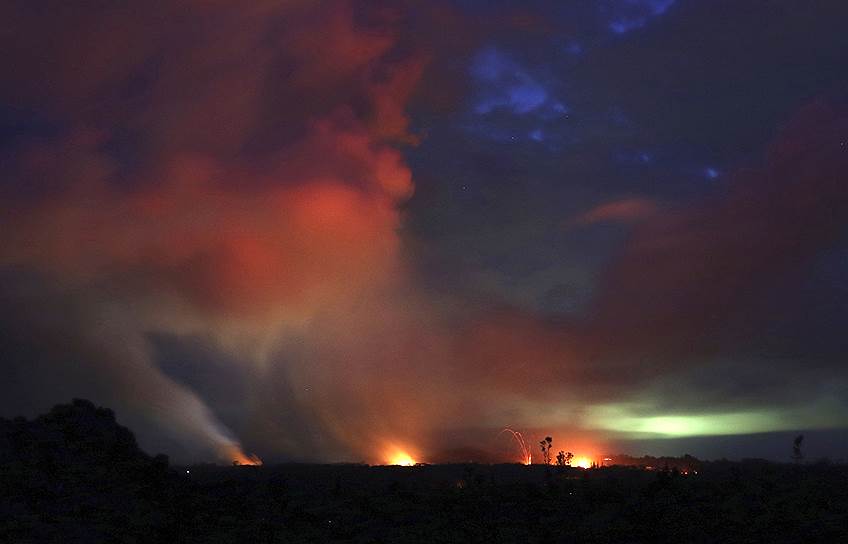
238, 457
402, 459
582, 462
245, 459
398, 456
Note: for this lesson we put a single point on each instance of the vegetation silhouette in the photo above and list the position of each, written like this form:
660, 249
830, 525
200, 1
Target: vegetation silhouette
546, 446
563, 458
76, 475
797, 454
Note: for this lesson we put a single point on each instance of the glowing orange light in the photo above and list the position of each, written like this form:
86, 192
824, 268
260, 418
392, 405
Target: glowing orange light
244, 459
238, 457
401, 458
401, 455
583, 462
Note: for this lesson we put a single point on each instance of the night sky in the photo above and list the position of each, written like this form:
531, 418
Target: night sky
337, 230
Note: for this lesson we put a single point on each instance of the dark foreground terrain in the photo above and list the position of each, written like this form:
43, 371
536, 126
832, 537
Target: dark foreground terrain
74, 475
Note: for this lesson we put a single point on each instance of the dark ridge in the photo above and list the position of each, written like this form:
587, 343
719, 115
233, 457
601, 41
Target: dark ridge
76, 475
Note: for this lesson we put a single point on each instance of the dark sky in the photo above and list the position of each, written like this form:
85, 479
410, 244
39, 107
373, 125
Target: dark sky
338, 230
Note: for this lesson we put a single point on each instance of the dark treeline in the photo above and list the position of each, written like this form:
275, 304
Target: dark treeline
75, 475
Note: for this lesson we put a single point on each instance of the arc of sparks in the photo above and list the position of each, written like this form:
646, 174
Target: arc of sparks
526, 455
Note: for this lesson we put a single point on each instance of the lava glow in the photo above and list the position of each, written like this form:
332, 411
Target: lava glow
401, 458
398, 455
583, 462
244, 459
238, 457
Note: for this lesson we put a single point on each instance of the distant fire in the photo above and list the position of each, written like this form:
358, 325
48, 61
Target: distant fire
251, 459
582, 462
238, 457
398, 456
402, 459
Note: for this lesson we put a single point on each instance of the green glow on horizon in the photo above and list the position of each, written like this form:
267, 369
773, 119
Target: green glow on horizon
712, 424
623, 418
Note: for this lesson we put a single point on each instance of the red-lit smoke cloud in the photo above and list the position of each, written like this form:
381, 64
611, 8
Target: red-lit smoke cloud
691, 280
626, 210
688, 275
233, 172
221, 170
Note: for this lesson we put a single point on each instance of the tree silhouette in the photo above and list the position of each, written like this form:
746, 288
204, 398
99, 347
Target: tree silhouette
545, 445
797, 455
563, 458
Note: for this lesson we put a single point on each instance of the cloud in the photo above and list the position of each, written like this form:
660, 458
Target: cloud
682, 314
504, 84
217, 230
58, 343
218, 235
625, 210
220, 172
686, 276
633, 14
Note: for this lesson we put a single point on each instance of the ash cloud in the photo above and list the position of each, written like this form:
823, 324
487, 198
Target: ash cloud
209, 222
216, 171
